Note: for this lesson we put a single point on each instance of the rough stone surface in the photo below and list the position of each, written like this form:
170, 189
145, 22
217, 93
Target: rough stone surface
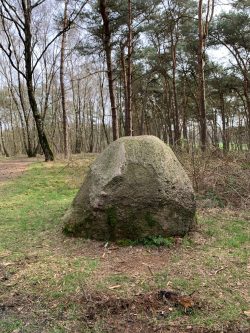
136, 188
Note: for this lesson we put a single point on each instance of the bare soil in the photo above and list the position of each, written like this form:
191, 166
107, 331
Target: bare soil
12, 168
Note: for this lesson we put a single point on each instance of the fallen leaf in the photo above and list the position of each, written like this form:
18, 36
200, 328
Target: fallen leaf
247, 313
5, 264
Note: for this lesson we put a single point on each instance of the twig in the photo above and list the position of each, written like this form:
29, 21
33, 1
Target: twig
149, 268
220, 269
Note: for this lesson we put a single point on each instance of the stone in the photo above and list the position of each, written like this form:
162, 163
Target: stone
136, 188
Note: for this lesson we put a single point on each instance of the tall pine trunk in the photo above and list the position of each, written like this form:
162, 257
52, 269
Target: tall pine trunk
203, 33
201, 79
108, 52
128, 116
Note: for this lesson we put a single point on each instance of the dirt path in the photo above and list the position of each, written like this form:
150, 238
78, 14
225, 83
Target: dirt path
12, 168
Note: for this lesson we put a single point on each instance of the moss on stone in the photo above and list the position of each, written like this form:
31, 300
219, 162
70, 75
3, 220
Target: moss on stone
67, 231
111, 213
150, 220
88, 223
132, 228
111, 216
74, 229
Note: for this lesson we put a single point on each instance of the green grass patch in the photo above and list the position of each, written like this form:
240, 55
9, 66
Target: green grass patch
228, 233
10, 325
37, 265
32, 205
154, 241
44, 275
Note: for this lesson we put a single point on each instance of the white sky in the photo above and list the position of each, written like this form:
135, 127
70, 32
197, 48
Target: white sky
221, 54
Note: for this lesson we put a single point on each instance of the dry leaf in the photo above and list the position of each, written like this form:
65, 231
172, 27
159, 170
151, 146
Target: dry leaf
5, 264
115, 287
247, 313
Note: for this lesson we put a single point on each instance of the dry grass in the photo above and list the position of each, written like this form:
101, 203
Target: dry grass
219, 181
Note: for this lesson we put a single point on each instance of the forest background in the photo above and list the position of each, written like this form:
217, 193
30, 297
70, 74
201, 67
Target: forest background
75, 75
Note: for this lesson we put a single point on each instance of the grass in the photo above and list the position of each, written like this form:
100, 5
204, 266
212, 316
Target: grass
41, 189
49, 281
121, 282
155, 241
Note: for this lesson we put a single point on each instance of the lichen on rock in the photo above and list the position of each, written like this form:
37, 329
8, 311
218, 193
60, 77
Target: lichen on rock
136, 188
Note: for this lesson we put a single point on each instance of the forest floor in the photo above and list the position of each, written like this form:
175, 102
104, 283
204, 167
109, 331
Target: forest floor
50, 283
11, 168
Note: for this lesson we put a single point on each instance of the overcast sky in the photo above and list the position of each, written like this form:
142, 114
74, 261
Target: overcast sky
221, 54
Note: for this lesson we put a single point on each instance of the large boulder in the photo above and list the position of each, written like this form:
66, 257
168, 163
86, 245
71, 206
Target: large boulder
135, 189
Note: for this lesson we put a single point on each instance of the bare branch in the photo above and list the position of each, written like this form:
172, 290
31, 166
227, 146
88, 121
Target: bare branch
88, 75
71, 20
8, 10
9, 52
48, 45
38, 3
9, 55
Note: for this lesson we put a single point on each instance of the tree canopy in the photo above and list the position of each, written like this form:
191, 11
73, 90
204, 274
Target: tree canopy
77, 74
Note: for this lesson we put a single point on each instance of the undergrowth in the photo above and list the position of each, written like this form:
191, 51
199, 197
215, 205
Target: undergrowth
155, 241
219, 181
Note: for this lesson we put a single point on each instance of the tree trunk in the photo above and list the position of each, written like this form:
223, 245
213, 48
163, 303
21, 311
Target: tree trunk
224, 125
103, 111
6, 153
31, 151
29, 81
78, 145
184, 118
12, 128
177, 134
215, 130
201, 79
125, 83
247, 94
107, 47
128, 116
64, 113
